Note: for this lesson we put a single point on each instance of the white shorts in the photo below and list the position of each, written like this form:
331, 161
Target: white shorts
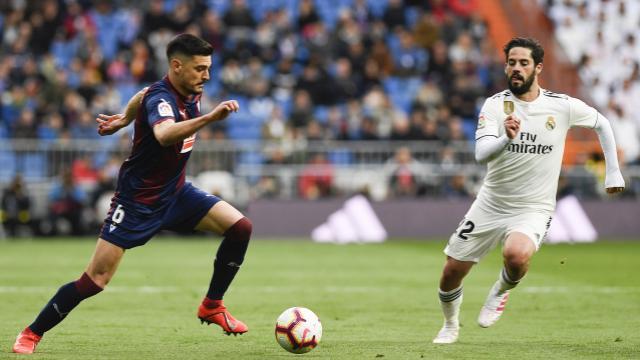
481, 231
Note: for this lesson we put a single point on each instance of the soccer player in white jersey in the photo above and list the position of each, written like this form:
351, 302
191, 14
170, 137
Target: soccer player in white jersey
520, 135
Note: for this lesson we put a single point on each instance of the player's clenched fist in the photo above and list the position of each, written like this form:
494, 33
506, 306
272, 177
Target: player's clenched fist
512, 126
224, 109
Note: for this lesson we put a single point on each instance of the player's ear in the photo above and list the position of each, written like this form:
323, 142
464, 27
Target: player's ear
538, 69
175, 64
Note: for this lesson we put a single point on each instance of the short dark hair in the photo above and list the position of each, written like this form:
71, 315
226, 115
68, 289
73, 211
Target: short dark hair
537, 52
190, 45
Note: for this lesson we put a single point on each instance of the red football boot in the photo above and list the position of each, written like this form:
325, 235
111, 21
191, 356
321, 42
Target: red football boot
26, 342
215, 312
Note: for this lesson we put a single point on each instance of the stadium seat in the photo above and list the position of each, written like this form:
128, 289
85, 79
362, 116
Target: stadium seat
402, 91
321, 114
249, 164
340, 157
469, 128
219, 6
377, 7
8, 168
244, 133
33, 166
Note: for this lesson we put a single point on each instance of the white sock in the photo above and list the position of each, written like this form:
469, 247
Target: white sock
450, 302
504, 282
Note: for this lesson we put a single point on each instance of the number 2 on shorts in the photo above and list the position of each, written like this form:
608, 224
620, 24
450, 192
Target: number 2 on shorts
465, 229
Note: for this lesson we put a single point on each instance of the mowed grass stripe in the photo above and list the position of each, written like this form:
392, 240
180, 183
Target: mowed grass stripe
579, 301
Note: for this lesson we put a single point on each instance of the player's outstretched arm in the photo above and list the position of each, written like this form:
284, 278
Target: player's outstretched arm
613, 182
110, 124
170, 132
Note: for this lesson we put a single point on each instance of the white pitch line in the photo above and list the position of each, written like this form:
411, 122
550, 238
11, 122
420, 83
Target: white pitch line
118, 289
580, 289
326, 289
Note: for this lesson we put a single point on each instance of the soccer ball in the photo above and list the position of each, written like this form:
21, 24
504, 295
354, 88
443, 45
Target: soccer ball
298, 330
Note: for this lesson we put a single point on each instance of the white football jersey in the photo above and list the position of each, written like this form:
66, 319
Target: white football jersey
524, 175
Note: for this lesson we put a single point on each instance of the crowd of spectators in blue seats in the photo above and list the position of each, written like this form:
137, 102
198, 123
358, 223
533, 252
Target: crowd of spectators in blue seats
316, 69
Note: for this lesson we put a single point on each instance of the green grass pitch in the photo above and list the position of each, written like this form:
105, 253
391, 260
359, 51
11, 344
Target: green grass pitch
375, 301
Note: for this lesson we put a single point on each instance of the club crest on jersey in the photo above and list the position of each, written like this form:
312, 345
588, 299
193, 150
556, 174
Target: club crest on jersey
164, 108
551, 123
508, 107
481, 121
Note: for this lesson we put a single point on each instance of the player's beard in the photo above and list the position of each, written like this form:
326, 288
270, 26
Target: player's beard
197, 90
524, 87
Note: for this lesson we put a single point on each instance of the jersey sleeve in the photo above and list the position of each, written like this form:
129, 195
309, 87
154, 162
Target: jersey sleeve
488, 120
581, 114
160, 107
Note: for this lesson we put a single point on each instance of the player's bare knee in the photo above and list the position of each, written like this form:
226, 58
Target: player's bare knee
516, 259
100, 278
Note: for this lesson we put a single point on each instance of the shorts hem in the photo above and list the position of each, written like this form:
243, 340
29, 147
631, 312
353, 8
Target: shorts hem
118, 242
461, 258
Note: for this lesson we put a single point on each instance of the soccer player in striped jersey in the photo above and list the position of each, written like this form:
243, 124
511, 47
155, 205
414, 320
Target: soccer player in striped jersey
152, 193
520, 135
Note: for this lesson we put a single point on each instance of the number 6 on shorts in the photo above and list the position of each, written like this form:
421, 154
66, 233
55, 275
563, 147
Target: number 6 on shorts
118, 215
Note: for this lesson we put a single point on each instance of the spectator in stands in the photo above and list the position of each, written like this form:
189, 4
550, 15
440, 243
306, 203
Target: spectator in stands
50, 129
59, 60
275, 126
430, 130
307, 17
16, 213
239, 20
455, 187
372, 76
627, 134
381, 54
368, 130
316, 179
302, 111
25, 127
394, 15
346, 87
232, 76
409, 59
83, 172
338, 127
102, 192
66, 204
402, 174
426, 31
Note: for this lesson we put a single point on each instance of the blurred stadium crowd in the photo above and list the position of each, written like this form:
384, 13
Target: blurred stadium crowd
601, 38
302, 71
337, 69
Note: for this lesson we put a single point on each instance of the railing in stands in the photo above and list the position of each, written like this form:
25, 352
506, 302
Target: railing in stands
248, 170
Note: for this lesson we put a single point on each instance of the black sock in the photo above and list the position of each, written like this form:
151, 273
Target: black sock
229, 257
67, 298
